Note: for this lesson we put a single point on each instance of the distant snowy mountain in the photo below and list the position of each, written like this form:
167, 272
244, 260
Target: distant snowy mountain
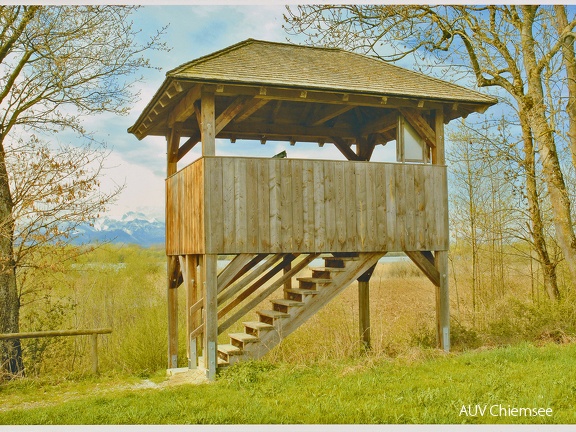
132, 228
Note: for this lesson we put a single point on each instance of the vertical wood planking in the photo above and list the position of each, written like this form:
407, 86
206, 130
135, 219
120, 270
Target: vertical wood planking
361, 205
263, 203
340, 205
381, 214
319, 211
400, 206
297, 204
275, 204
308, 205
228, 205
286, 187
371, 208
410, 206
391, 230
214, 214
430, 210
420, 206
240, 205
252, 236
330, 208
445, 229
280, 206
351, 211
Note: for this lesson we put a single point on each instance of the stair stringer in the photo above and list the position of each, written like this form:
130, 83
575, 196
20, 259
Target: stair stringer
283, 327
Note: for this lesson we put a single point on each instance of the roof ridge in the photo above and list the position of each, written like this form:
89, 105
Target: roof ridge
238, 45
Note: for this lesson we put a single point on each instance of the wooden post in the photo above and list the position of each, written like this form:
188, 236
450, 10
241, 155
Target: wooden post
210, 314
94, 352
438, 157
364, 312
442, 302
172, 291
364, 307
208, 123
288, 283
441, 257
190, 284
173, 142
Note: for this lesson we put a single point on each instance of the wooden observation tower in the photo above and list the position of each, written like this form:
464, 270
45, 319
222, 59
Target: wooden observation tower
272, 217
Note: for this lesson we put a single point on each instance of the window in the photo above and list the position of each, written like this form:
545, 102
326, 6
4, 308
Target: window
410, 147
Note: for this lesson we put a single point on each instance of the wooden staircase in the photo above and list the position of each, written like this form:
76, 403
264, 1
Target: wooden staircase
296, 307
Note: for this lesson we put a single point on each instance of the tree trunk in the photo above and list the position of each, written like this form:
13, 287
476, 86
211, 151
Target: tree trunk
537, 226
11, 351
533, 105
569, 61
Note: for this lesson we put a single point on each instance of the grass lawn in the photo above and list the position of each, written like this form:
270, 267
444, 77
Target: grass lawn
433, 389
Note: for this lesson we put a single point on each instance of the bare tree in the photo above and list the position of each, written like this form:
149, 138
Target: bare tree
57, 64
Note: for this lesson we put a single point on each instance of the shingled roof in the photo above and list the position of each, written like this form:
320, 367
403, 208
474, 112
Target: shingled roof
259, 62
271, 69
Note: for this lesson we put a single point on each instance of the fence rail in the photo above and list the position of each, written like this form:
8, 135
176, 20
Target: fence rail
62, 333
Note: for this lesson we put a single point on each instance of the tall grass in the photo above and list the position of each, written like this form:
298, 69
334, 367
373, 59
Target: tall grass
124, 288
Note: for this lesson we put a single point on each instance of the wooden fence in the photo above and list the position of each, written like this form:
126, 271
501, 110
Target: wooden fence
60, 333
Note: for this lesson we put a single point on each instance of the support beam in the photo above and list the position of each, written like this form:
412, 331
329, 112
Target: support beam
442, 302
173, 266
188, 145
253, 106
345, 149
185, 108
381, 124
172, 293
425, 265
173, 142
328, 114
189, 264
364, 307
364, 313
210, 271
208, 123
365, 147
261, 296
230, 272
240, 105
438, 157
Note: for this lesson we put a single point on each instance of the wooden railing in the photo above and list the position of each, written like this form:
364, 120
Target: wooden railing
59, 333
230, 205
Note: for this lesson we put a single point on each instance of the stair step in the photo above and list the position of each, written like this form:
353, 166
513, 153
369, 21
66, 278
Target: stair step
339, 262
326, 272
229, 349
255, 327
240, 340
298, 294
286, 302
301, 291
312, 283
314, 280
269, 316
284, 305
327, 269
